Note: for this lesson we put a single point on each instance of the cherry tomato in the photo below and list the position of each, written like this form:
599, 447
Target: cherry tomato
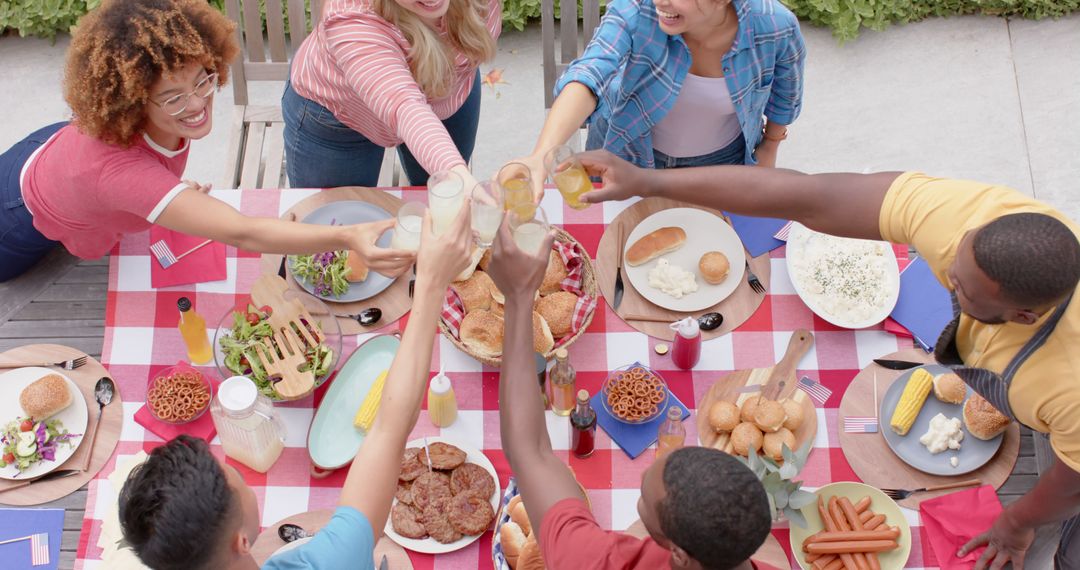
253, 318
9, 458
266, 310
26, 425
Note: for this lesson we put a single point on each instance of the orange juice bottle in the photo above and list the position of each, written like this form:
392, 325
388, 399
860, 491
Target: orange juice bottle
442, 403
672, 434
193, 330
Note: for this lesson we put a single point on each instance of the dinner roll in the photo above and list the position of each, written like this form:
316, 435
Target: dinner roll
558, 310
714, 267
530, 558
543, 342
983, 420
485, 259
773, 444
949, 388
519, 516
45, 397
358, 270
746, 436
794, 411
749, 406
468, 271
482, 332
475, 292
723, 416
555, 273
769, 415
513, 540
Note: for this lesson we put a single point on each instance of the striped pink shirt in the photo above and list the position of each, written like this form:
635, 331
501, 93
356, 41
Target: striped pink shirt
355, 64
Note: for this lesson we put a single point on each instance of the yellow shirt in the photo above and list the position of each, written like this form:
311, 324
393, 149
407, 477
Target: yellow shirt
933, 214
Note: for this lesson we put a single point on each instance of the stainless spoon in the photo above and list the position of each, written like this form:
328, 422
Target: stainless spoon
707, 322
367, 317
103, 393
289, 532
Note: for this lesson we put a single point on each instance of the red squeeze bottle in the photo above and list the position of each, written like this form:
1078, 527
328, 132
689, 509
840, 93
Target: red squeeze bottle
687, 347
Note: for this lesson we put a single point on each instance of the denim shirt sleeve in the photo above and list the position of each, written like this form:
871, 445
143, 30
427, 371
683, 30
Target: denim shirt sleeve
785, 100
605, 52
347, 541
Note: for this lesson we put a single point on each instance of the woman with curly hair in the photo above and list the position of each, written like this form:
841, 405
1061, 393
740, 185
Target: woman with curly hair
140, 79
376, 74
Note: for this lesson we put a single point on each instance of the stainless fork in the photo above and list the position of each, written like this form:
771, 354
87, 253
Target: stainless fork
753, 280
67, 365
901, 494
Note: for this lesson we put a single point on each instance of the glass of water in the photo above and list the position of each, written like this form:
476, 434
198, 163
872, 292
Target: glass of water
487, 211
530, 232
446, 194
409, 227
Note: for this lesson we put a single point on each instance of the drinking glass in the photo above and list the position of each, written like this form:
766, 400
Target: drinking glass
446, 194
487, 211
515, 179
409, 226
568, 175
530, 232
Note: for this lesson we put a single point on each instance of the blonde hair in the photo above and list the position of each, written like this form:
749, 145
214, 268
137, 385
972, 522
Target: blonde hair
431, 60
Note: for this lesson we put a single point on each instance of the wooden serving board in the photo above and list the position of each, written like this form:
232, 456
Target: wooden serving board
875, 463
777, 383
736, 309
770, 552
268, 541
394, 301
112, 419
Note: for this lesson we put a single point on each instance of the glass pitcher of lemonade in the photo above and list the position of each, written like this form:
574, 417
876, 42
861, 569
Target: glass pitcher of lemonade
250, 430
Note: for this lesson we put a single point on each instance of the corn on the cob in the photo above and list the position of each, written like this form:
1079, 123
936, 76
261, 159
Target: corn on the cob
365, 416
911, 401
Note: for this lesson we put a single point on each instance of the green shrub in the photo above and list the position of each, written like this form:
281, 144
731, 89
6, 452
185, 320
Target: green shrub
846, 17
42, 17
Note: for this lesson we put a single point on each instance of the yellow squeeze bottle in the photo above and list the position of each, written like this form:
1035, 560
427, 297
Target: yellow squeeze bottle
193, 330
442, 404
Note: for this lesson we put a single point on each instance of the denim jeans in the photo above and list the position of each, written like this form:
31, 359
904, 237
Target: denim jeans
21, 245
321, 152
733, 153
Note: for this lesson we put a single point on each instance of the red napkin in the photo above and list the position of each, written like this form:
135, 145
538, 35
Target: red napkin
202, 427
950, 521
896, 328
205, 264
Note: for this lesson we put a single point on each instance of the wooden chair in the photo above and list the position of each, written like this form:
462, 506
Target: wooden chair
570, 38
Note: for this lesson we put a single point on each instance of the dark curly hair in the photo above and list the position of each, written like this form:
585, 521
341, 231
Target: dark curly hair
716, 508
1034, 258
177, 505
120, 49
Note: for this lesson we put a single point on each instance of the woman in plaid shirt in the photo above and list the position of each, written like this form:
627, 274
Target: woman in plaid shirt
675, 83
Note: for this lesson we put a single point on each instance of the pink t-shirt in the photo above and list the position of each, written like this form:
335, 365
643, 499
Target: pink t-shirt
86, 194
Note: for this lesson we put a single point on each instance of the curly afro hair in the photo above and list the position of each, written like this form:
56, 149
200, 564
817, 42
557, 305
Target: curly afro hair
120, 49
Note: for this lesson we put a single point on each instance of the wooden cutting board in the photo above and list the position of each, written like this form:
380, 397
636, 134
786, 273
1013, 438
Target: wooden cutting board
875, 463
736, 309
777, 383
112, 419
268, 541
394, 301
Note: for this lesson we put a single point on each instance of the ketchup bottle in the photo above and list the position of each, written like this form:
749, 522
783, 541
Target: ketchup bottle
687, 347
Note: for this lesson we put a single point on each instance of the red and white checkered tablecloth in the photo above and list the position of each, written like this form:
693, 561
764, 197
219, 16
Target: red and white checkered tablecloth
141, 338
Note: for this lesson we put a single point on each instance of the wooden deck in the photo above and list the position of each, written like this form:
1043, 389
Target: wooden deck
62, 301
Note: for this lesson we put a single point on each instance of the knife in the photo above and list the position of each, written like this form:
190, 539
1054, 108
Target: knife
47, 477
384, 564
897, 364
617, 297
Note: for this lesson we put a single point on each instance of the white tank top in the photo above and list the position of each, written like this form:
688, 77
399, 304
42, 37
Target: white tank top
702, 121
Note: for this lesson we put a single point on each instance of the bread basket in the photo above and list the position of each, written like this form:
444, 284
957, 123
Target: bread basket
588, 285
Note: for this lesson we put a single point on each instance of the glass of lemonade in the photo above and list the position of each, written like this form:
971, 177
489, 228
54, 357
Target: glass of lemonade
409, 226
568, 175
515, 179
530, 232
446, 194
487, 211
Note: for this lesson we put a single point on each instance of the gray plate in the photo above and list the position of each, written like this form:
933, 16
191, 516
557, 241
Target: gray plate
344, 214
973, 452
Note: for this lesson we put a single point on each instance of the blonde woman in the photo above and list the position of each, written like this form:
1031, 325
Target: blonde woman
376, 74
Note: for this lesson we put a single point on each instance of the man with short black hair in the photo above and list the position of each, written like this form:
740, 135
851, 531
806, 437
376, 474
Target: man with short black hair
702, 508
1011, 262
183, 509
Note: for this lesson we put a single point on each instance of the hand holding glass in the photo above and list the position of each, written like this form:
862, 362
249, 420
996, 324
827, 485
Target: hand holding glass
487, 211
516, 182
530, 232
409, 226
568, 175
446, 194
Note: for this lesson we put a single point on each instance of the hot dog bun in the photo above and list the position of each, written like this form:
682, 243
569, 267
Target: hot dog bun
513, 540
655, 244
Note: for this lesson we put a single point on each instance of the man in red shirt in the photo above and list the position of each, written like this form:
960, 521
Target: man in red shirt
703, 509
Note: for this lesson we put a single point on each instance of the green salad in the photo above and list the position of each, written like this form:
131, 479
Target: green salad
249, 329
25, 442
326, 272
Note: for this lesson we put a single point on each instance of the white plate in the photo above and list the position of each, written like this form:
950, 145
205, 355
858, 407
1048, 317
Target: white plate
795, 251
430, 545
705, 232
73, 417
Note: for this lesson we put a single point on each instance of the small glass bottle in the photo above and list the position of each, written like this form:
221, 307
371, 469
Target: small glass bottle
193, 331
541, 377
561, 382
672, 434
583, 427
687, 347
441, 401
250, 431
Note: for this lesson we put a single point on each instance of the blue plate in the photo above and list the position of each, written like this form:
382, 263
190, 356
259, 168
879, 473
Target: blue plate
333, 440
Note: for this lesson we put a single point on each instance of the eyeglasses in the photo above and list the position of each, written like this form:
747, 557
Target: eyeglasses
178, 103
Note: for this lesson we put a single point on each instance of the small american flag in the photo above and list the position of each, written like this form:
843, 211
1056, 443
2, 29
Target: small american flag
782, 233
39, 549
165, 256
860, 424
816, 390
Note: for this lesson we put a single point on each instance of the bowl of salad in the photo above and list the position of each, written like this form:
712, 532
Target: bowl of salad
245, 326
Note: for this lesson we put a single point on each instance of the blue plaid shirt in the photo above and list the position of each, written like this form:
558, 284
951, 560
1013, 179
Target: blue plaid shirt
636, 70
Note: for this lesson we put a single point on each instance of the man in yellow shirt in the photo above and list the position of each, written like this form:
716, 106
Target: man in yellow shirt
1011, 262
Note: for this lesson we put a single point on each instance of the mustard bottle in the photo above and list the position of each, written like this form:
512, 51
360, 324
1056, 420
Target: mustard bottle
442, 403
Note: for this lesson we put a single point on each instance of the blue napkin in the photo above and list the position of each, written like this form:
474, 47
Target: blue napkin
924, 306
757, 233
15, 523
633, 438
